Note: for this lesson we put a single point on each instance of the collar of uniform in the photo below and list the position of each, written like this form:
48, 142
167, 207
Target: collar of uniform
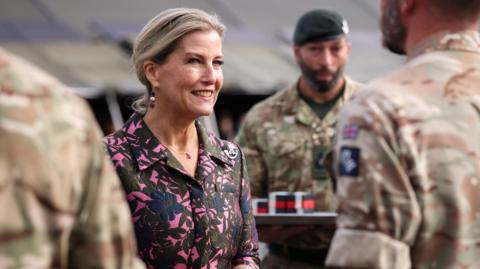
147, 149
306, 115
292, 104
453, 41
350, 87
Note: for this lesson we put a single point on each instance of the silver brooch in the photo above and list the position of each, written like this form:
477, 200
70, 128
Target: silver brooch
231, 151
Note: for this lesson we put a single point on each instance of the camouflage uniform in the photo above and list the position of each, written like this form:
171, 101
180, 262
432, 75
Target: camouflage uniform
408, 163
62, 205
282, 139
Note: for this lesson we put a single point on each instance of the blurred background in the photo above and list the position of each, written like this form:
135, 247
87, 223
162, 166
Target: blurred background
87, 45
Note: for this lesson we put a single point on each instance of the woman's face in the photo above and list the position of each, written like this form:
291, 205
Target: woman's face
189, 81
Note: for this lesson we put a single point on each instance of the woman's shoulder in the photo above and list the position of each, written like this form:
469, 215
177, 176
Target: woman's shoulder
215, 140
228, 149
115, 140
120, 153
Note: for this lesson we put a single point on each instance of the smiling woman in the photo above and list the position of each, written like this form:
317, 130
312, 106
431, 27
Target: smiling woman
198, 57
187, 189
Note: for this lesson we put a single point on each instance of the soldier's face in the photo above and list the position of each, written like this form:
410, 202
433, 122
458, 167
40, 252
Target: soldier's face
393, 31
322, 63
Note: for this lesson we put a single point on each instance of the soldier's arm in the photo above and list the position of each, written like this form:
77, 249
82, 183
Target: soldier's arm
102, 236
257, 170
378, 214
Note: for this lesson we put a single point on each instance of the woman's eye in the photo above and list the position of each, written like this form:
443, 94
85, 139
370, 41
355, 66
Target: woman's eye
218, 62
194, 61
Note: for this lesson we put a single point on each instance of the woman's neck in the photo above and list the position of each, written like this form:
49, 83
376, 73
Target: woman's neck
178, 135
172, 132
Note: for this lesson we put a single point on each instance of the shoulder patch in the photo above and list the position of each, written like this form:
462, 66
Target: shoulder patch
231, 151
349, 161
350, 131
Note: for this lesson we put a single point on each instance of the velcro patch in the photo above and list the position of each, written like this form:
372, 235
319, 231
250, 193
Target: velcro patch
350, 131
349, 161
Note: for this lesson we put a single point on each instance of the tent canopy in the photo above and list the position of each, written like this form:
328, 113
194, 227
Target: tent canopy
83, 42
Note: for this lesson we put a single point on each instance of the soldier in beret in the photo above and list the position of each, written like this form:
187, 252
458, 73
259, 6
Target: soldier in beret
285, 136
408, 151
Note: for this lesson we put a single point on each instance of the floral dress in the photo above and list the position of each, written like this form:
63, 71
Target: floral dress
182, 221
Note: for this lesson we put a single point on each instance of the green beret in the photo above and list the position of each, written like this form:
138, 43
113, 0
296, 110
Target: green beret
319, 25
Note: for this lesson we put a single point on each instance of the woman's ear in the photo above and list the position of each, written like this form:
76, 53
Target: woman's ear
150, 70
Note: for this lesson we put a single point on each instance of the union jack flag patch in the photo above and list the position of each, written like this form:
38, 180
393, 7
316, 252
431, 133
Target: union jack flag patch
350, 131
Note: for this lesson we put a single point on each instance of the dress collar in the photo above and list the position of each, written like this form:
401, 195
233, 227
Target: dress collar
147, 149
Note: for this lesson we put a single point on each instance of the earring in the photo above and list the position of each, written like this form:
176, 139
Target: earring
152, 99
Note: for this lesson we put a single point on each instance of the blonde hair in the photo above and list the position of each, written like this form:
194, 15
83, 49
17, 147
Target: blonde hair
160, 36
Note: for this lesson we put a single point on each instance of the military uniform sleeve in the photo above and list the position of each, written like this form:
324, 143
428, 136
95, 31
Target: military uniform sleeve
247, 253
378, 214
102, 236
257, 170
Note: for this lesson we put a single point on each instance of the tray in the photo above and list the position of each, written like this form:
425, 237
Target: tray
317, 218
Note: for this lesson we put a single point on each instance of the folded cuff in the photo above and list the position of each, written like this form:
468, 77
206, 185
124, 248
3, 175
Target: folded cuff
367, 249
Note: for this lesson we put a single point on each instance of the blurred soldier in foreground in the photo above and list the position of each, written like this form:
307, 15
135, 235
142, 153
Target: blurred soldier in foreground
62, 205
408, 151
285, 136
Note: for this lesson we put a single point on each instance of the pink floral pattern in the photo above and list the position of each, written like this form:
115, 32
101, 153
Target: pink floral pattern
182, 221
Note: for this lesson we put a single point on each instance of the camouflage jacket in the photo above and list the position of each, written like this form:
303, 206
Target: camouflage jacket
408, 163
183, 221
62, 205
284, 140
